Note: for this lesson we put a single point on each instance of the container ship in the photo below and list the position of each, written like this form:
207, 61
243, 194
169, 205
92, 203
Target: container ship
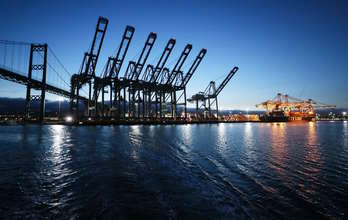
284, 108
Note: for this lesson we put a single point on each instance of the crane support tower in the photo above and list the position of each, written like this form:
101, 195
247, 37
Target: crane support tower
150, 92
87, 70
205, 100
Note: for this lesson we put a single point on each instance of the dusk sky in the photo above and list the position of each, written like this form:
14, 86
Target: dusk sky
294, 47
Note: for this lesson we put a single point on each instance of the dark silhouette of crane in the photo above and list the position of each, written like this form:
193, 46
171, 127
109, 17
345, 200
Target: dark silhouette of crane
111, 73
140, 94
87, 70
205, 100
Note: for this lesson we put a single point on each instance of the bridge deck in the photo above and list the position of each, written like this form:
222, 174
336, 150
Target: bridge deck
36, 84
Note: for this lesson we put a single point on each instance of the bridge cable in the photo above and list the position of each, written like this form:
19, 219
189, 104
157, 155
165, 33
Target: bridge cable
65, 69
55, 71
60, 63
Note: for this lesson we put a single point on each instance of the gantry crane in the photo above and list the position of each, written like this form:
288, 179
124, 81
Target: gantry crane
179, 85
164, 82
110, 75
286, 108
153, 87
89, 63
131, 77
167, 78
150, 78
210, 95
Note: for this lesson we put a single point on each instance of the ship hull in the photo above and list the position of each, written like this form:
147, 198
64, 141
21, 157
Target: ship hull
268, 118
283, 117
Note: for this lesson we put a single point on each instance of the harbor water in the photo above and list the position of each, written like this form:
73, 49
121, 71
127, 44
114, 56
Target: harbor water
207, 171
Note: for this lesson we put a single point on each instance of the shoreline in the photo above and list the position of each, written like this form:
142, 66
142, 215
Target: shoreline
141, 122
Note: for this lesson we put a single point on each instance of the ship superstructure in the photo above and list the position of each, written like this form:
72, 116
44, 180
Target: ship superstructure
286, 108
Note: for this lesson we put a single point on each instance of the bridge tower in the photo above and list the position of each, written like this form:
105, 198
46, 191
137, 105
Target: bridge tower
37, 62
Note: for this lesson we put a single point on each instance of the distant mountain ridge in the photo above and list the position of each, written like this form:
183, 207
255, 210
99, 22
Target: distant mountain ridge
16, 106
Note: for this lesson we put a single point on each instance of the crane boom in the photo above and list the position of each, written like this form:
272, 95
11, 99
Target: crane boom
134, 69
226, 80
177, 68
155, 72
90, 59
117, 61
193, 68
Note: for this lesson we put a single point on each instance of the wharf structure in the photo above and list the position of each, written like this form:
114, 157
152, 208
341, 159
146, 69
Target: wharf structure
143, 93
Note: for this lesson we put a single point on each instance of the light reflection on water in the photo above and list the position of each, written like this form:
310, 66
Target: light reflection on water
188, 171
249, 142
345, 130
221, 145
248, 133
185, 138
58, 138
279, 145
312, 151
135, 136
58, 155
186, 134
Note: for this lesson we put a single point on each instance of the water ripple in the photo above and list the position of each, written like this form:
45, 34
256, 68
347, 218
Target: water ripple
223, 171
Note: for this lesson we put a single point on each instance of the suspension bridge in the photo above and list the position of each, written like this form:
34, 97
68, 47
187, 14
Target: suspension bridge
37, 67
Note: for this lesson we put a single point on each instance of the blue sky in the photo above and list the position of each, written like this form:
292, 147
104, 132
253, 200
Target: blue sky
294, 47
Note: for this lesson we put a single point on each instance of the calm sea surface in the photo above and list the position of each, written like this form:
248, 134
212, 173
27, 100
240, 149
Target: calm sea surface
218, 171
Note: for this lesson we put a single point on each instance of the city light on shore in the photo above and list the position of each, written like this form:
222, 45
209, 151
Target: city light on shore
68, 119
